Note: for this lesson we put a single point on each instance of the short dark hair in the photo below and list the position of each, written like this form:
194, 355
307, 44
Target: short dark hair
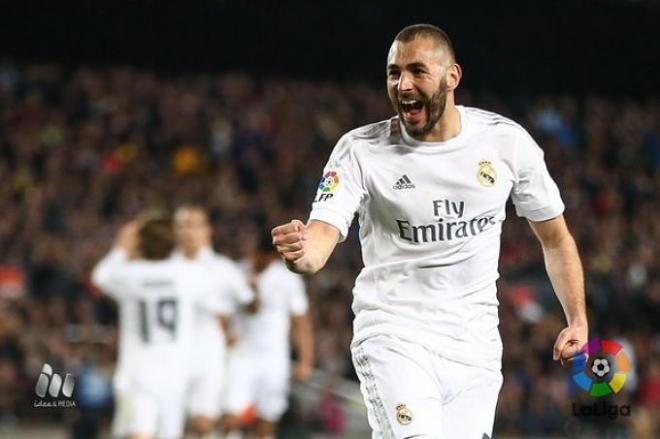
155, 236
423, 30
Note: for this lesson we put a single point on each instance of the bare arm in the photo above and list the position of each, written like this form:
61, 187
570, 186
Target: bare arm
124, 248
305, 248
564, 268
304, 341
225, 325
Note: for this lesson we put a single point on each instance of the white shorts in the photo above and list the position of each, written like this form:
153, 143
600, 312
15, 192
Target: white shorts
259, 380
159, 412
207, 384
410, 390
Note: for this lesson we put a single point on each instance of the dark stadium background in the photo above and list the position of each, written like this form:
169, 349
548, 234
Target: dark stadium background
558, 46
569, 71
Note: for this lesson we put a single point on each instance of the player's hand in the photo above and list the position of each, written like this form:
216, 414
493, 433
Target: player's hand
289, 240
127, 237
302, 372
569, 344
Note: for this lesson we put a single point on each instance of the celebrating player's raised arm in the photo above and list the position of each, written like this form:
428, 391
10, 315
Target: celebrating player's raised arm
562, 263
305, 248
103, 275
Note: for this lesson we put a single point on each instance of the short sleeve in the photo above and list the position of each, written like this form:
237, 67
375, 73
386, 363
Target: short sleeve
340, 191
535, 195
298, 303
107, 273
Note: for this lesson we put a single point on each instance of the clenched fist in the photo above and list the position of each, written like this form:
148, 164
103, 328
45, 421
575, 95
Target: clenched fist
289, 240
569, 344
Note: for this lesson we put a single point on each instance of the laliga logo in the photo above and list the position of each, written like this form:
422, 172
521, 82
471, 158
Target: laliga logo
602, 369
327, 185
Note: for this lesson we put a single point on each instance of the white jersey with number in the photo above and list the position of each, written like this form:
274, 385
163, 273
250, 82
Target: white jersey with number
281, 295
430, 216
158, 303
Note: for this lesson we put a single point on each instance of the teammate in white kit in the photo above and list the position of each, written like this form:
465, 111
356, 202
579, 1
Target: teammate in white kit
429, 187
158, 298
208, 362
260, 365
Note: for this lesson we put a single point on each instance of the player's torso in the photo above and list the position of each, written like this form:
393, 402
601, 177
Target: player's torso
157, 318
208, 331
231, 293
429, 200
268, 329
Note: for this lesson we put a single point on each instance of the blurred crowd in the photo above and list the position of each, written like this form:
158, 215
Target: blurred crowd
84, 150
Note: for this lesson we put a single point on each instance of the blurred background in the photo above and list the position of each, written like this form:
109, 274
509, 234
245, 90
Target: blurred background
107, 108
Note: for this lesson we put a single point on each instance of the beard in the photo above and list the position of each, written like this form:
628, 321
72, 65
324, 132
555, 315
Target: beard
434, 106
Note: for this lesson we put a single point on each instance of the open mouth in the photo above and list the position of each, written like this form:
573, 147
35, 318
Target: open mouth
412, 109
411, 105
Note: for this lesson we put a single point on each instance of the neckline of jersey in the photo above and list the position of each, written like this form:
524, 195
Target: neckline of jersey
202, 253
447, 145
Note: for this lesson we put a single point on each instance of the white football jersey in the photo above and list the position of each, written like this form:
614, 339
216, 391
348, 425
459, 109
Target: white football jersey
158, 305
233, 291
281, 295
430, 216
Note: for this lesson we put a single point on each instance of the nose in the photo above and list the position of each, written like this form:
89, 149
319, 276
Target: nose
405, 82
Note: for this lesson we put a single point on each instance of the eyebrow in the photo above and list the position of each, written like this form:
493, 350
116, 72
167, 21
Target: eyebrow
414, 65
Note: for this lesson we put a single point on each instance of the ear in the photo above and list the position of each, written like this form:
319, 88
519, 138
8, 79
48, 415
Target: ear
453, 76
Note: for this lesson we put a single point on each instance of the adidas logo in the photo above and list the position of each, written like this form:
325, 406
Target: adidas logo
404, 183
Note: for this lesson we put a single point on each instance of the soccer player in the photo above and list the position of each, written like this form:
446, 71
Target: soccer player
193, 236
158, 300
429, 187
259, 363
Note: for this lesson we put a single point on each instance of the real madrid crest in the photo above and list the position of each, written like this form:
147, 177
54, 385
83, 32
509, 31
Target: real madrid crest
403, 414
486, 174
